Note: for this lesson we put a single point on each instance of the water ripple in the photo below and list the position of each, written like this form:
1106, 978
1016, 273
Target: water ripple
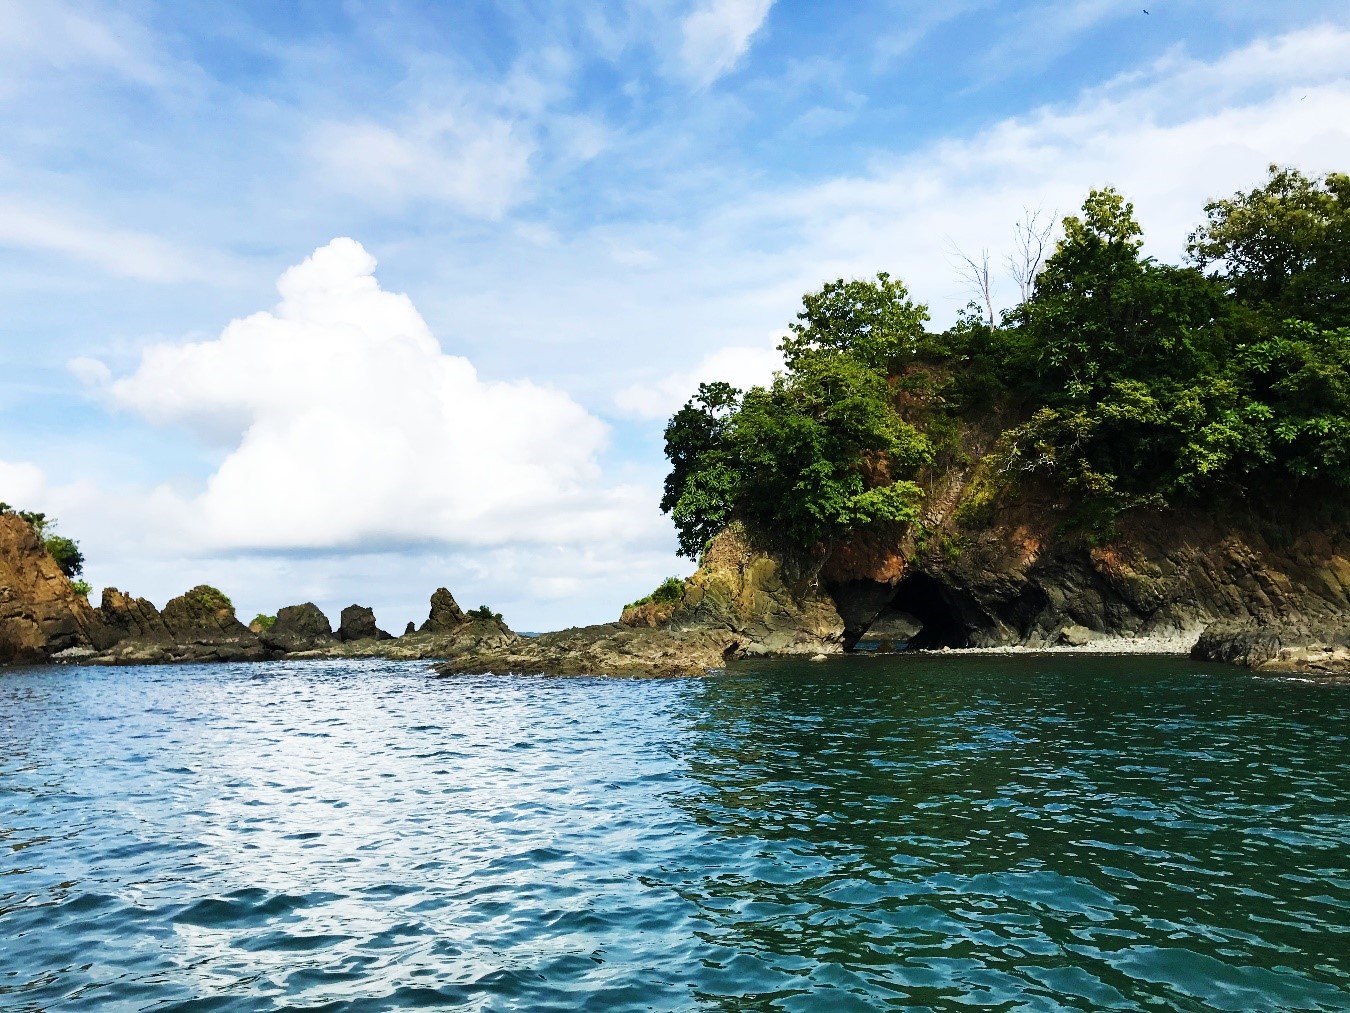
1007, 833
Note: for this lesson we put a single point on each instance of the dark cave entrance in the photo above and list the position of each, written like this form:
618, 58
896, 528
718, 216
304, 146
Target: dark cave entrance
935, 607
919, 613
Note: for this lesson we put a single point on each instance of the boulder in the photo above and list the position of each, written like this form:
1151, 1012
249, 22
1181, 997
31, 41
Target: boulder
299, 628
410, 629
446, 615
358, 623
1076, 636
1290, 648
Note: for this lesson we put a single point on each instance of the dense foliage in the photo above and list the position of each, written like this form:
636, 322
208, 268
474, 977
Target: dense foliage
1124, 380
668, 592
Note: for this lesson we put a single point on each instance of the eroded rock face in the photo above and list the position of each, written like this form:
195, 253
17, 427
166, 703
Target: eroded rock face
299, 628
358, 623
130, 617
761, 607
1018, 576
199, 625
41, 614
446, 616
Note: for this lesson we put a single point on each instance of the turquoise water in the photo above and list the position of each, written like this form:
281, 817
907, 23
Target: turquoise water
971, 832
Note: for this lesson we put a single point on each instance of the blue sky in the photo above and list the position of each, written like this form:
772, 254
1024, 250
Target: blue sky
553, 220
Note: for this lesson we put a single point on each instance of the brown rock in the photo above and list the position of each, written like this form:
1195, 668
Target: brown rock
41, 614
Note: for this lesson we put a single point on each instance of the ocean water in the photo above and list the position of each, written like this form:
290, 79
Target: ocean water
925, 833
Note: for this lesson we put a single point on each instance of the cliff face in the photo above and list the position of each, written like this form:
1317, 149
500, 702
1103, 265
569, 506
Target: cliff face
1018, 577
1270, 582
40, 612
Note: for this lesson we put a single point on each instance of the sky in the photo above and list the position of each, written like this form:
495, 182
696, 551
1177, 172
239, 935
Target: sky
345, 301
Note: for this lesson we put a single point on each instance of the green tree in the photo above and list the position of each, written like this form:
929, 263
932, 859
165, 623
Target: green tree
1283, 247
700, 489
874, 321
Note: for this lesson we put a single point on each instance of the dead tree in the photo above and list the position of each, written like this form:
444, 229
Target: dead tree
1032, 237
975, 273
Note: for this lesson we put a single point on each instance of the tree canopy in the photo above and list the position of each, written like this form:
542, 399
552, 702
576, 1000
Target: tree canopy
1124, 380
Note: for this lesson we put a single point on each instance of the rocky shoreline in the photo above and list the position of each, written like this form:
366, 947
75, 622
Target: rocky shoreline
1239, 601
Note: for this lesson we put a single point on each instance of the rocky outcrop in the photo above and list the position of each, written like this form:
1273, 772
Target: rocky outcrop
608, 649
742, 602
199, 625
128, 617
992, 565
448, 632
446, 616
1285, 648
358, 623
299, 628
41, 613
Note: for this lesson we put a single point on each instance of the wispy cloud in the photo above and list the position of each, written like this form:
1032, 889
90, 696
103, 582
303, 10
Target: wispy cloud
717, 34
124, 253
56, 35
478, 165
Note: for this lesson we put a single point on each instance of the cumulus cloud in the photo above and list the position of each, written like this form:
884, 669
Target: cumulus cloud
741, 366
717, 34
349, 427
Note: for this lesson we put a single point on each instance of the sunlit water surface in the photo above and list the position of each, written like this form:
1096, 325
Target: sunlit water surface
998, 833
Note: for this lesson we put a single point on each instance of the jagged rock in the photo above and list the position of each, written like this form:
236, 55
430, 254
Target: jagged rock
129, 617
410, 629
299, 628
41, 614
204, 609
446, 615
199, 625
358, 623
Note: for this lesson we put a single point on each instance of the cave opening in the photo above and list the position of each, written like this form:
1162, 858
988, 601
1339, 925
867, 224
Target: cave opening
934, 606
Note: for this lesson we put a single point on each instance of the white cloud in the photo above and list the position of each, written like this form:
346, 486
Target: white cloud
476, 164
741, 366
123, 253
717, 34
350, 428
22, 485
58, 36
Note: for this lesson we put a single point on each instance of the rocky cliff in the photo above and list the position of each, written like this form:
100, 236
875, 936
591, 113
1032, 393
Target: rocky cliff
41, 614
1266, 582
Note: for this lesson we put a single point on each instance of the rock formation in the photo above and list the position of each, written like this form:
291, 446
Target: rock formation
299, 628
446, 616
41, 614
199, 625
741, 603
358, 623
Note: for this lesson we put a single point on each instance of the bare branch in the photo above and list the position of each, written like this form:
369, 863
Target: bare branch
1032, 236
976, 275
